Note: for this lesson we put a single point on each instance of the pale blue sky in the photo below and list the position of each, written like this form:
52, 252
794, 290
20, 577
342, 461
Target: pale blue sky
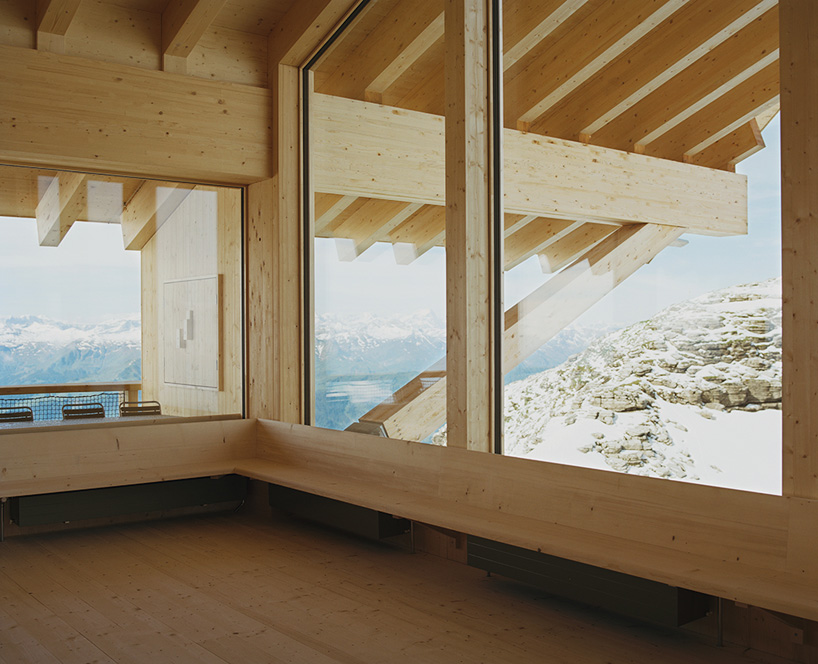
88, 278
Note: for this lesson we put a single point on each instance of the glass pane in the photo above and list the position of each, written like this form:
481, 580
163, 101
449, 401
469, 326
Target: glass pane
118, 290
643, 325
377, 171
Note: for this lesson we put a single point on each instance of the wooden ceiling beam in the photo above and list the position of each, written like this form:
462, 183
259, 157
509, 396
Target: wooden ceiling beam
728, 151
571, 246
183, 24
693, 32
419, 233
407, 57
20, 194
534, 238
515, 222
523, 28
729, 64
62, 203
582, 48
330, 209
418, 409
299, 33
149, 208
53, 20
374, 217
403, 35
364, 149
528, 22
716, 120
384, 227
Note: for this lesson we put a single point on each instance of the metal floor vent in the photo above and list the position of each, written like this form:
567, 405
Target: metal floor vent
337, 514
616, 592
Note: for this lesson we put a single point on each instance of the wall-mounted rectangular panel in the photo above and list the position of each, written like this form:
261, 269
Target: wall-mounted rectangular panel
192, 319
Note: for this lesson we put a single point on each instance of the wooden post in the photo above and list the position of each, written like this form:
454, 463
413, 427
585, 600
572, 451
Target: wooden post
275, 299
799, 234
469, 302
275, 296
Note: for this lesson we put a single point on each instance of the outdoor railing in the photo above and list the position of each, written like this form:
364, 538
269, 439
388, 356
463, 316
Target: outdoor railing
46, 401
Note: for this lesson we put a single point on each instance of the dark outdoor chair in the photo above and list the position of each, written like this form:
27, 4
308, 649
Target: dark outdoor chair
16, 414
76, 411
127, 408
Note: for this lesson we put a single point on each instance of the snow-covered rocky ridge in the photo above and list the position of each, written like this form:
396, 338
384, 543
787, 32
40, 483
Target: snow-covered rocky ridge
693, 394
37, 350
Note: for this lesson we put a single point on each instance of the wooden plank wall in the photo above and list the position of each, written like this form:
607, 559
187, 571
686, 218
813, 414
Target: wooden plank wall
202, 238
175, 128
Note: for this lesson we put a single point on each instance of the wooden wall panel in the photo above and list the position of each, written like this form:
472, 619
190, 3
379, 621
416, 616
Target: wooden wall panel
57, 111
200, 239
115, 34
799, 231
18, 20
229, 55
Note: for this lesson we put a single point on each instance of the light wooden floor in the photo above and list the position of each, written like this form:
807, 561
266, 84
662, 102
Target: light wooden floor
245, 590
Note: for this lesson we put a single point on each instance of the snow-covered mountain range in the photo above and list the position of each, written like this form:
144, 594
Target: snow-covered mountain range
360, 360
35, 350
694, 393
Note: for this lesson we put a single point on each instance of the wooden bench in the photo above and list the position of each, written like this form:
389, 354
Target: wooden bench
753, 548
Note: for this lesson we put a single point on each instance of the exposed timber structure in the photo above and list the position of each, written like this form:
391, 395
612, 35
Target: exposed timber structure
622, 125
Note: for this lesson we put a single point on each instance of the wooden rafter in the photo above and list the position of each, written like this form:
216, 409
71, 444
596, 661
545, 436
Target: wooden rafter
407, 57
731, 149
418, 409
696, 29
328, 208
715, 121
53, 20
62, 203
565, 250
535, 237
368, 222
423, 230
515, 222
725, 67
20, 194
526, 23
364, 149
399, 39
148, 209
183, 24
557, 67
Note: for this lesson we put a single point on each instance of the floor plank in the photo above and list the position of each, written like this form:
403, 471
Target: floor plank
243, 589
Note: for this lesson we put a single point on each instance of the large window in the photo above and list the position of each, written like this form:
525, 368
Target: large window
645, 326
118, 290
642, 310
379, 227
